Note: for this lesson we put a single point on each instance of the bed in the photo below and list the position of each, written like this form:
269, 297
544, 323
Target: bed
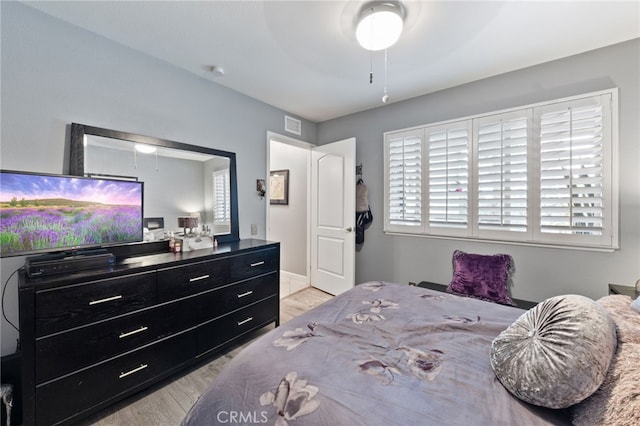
379, 354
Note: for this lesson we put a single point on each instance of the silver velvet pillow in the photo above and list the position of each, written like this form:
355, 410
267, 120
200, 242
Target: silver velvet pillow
556, 354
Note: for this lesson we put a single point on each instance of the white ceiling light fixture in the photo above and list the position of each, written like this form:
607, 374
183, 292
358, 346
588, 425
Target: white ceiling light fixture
379, 27
145, 149
380, 24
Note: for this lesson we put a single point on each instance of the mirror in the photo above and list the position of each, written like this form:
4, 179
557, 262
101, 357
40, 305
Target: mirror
182, 181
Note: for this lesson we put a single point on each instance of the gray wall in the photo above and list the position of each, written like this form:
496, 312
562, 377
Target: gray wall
540, 272
54, 74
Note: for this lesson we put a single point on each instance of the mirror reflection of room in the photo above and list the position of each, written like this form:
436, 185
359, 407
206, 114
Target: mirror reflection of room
181, 187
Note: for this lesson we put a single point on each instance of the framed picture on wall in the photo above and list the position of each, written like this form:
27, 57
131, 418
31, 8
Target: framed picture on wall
279, 187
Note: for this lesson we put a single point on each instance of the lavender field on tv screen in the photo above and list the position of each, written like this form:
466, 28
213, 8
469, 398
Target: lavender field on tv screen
40, 213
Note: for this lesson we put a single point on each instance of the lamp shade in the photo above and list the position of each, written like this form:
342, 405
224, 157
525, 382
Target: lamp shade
187, 222
380, 25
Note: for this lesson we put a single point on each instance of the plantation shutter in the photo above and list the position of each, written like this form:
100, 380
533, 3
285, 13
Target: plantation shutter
405, 179
449, 175
542, 174
572, 167
502, 172
221, 196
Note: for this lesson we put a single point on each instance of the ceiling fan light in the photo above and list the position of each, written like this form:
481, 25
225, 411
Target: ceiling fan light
144, 148
379, 25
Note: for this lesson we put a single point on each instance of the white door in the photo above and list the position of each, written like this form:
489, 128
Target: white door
333, 192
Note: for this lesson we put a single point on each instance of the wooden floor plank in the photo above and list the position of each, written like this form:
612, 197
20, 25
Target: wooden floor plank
168, 402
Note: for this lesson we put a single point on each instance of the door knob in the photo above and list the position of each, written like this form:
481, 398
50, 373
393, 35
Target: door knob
349, 229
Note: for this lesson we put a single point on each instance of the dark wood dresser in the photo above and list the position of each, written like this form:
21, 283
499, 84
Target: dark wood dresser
92, 338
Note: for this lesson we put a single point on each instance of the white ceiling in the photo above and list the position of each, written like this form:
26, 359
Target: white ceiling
302, 56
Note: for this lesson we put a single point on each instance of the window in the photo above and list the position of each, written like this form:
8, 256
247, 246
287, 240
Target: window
502, 175
404, 177
448, 177
538, 174
574, 170
221, 197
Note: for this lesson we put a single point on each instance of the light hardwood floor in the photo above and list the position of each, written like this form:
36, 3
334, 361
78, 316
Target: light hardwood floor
168, 402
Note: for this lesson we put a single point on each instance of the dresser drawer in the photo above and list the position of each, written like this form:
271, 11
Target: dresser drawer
61, 308
190, 279
215, 333
66, 352
219, 302
78, 392
254, 263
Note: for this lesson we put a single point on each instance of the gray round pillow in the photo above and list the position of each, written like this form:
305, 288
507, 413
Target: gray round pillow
557, 353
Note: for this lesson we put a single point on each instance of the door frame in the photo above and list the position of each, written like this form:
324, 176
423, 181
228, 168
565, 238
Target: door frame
287, 140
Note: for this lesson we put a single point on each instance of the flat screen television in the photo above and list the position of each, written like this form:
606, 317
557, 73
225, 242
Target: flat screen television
45, 213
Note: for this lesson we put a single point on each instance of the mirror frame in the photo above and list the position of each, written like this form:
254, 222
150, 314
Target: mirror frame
76, 161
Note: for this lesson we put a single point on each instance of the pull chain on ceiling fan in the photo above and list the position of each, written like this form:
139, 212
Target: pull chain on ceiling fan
379, 27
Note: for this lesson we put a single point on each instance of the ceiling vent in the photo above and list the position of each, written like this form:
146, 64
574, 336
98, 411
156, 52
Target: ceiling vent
292, 125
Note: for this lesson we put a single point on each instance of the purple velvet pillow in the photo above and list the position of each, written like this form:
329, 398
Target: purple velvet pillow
481, 276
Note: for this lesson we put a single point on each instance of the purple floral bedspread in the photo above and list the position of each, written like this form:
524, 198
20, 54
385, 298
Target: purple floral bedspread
379, 354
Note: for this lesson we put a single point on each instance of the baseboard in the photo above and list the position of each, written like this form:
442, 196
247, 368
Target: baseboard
291, 282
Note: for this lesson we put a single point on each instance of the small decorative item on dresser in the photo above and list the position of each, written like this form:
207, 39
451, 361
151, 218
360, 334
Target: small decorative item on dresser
172, 241
177, 245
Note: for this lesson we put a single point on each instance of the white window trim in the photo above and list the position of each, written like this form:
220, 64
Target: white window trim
532, 237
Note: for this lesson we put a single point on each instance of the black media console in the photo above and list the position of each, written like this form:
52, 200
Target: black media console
94, 337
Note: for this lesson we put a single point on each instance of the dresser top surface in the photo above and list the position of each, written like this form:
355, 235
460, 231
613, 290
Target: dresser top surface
136, 264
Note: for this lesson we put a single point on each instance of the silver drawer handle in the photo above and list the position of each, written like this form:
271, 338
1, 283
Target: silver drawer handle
130, 333
202, 277
108, 299
245, 321
135, 370
245, 294
253, 265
